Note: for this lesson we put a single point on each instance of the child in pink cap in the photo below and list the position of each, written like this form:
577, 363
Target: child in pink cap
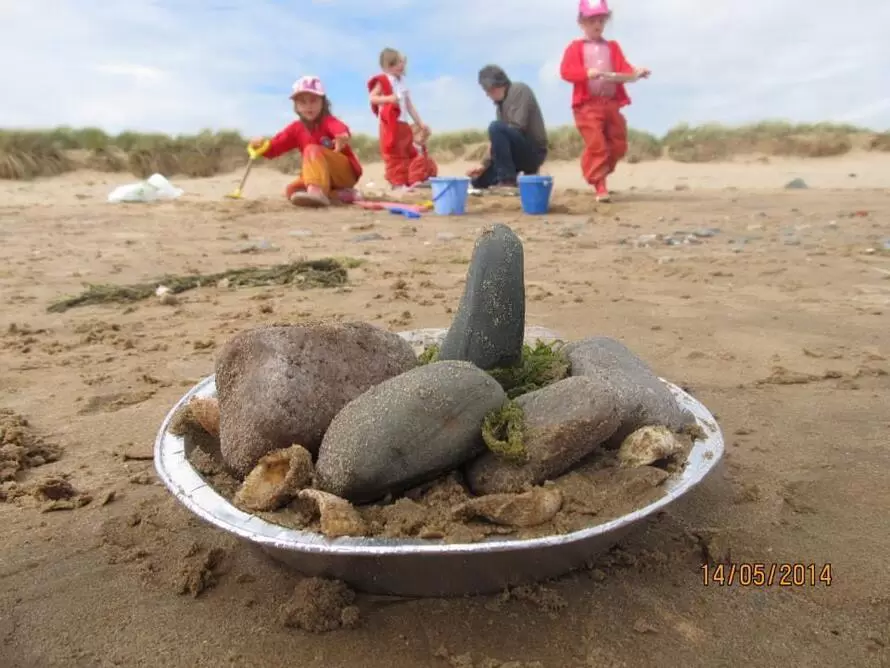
330, 167
598, 70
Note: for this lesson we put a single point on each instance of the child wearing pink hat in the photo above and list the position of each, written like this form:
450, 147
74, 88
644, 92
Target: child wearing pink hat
598, 71
330, 167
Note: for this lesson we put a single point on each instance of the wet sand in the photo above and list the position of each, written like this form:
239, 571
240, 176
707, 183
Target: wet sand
775, 316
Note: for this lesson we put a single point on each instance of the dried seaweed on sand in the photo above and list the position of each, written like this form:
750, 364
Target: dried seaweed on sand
326, 273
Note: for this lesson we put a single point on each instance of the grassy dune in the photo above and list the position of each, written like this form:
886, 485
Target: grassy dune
30, 154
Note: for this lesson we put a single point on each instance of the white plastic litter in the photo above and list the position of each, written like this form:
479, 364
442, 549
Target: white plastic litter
153, 189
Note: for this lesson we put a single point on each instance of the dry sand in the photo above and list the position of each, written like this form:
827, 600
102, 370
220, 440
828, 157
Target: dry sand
778, 323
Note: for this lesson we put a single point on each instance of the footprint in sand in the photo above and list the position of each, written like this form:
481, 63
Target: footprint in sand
109, 403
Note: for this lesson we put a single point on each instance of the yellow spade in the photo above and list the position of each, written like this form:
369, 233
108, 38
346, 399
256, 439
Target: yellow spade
254, 153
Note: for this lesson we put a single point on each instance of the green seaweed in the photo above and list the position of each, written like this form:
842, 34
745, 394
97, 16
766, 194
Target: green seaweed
503, 430
326, 272
538, 367
430, 354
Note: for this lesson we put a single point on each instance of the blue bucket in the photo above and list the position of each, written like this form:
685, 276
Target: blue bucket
534, 193
450, 195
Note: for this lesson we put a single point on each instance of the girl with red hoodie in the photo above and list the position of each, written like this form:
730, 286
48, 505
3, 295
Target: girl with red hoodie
389, 96
330, 167
598, 70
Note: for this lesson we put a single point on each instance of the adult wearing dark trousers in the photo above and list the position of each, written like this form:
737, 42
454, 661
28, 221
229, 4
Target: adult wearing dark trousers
517, 138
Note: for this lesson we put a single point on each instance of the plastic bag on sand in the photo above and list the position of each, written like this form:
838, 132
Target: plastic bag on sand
153, 189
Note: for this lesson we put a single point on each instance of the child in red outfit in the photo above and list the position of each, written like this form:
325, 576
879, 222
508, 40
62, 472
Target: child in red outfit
388, 96
330, 167
422, 166
598, 70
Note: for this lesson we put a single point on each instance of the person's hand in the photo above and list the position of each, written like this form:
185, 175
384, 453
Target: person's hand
425, 133
341, 142
593, 73
476, 172
642, 73
256, 143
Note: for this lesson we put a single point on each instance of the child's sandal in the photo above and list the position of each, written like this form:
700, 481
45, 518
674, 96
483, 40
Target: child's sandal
309, 200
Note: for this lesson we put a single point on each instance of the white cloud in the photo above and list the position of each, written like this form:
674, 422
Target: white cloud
180, 66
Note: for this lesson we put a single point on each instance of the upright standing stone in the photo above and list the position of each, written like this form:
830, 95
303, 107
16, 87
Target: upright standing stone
490, 321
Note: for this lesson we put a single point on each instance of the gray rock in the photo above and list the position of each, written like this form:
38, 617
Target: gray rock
564, 422
796, 184
642, 398
407, 430
488, 327
282, 385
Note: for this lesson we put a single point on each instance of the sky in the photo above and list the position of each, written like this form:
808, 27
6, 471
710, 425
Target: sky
180, 66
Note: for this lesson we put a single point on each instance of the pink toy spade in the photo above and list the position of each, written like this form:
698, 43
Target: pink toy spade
590, 8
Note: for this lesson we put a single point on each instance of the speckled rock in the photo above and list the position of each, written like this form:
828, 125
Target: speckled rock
282, 385
564, 422
642, 399
488, 327
407, 430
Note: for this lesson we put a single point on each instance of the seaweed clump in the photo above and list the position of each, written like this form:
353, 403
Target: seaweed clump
429, 355
537, 367
503, 430
325, 273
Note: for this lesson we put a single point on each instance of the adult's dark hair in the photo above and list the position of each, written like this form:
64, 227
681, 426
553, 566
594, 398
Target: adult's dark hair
492, 76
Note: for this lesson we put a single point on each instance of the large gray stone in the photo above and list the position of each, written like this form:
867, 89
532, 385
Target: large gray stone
488, 327
564, 422
282, 385
643, 400
407, 430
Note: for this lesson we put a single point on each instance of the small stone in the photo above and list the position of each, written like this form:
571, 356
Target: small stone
407, 430
223, 284
647, 239
648, 445
372, 236
796, 184
302, 234
260, 246
445, 236
168, 299
488, 327
641, 397
707, 232
280, 385
562, 423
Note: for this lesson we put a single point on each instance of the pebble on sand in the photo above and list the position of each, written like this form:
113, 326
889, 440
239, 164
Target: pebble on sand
280, 385
407, 430
488, 327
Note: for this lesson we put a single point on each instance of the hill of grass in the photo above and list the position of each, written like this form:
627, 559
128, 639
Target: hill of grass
34, 153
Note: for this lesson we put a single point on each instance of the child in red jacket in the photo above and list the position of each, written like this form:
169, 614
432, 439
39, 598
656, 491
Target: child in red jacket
422, 166
389, 95
330, 167
598, 70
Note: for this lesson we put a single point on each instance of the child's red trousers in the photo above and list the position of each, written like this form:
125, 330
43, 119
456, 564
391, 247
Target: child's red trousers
421, 168
397, 149
604, 131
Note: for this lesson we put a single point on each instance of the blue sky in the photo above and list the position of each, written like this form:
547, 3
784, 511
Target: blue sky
183, 65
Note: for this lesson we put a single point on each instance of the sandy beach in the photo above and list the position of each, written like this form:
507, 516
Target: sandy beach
770, 305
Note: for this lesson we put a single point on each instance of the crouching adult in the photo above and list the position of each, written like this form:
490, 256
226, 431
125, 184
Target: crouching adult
517, 137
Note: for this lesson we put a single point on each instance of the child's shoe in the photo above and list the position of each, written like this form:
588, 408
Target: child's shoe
312, 197
347, 195
602, 192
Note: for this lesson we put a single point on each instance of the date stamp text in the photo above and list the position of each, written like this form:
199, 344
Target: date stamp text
766, 574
